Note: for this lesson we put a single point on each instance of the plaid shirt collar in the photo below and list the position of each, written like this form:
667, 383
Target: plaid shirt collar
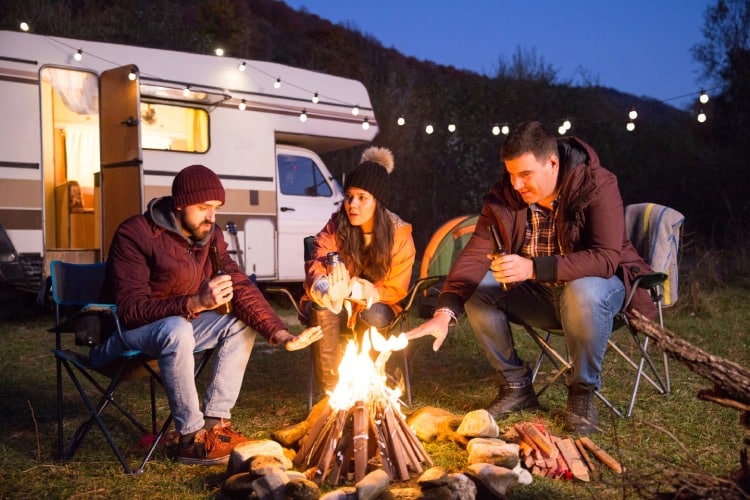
541, 237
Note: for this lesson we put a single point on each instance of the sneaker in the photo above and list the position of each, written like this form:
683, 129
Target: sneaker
511, 399
207, 448
581, 415
225, 432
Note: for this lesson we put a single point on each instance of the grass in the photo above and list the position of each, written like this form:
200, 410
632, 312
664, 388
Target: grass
667, 433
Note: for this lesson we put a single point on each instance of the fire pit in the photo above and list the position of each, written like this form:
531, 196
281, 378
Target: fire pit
362, 428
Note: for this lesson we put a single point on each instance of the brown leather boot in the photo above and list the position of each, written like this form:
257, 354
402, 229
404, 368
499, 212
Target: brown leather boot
581, 415
326, 351
513, 397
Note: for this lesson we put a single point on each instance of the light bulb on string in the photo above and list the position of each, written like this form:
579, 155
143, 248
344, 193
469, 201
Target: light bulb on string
561, 130
632, 114
186, 91
566, 125
355, 110
277, 83
24, 26
365, 124
630, 126
242, 106
703, 98
429, 129
315, 98
701, 116
451, 127
505, 130
242, 66
219, 51
303, 116
401, 121
132, 75
496, 130
78, 55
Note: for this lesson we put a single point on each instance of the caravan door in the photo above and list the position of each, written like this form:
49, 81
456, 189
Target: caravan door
307, 196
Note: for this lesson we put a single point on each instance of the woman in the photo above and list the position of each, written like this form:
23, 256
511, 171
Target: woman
377, 251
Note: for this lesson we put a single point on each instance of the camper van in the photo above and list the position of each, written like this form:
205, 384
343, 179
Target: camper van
91, 132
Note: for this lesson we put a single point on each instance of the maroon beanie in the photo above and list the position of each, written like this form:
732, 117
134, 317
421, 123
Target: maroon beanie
196, 184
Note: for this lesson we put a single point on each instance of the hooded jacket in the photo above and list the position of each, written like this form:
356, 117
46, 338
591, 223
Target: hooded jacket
153, 269
590, 232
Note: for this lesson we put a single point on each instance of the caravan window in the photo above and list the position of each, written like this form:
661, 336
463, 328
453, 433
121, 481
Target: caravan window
300, 175
174, 128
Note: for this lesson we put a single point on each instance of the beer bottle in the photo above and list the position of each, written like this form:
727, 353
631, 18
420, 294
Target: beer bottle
497, 250
226, 307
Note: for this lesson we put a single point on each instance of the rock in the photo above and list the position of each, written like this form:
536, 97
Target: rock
345, 493
372, 485
238, 485
478, 423
433, 477
493, 451
524, 476
243, 453
492, 481
406, 493
300, 489
268, 487
462, 488
433, 424
262, 464
438, 493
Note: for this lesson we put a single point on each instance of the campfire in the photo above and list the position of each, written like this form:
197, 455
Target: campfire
362, 427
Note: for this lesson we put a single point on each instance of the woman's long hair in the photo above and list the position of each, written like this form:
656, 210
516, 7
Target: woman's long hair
371, 262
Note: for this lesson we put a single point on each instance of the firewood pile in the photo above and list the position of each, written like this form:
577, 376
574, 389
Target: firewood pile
559, 458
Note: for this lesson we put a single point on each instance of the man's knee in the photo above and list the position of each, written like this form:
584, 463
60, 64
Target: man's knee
175, 332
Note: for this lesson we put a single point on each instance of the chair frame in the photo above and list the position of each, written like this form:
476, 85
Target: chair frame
78, 367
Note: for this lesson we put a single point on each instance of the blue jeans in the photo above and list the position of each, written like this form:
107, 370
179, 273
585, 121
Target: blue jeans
583, 308
173, 341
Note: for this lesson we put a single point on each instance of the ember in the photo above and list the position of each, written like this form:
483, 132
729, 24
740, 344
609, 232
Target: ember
362, 428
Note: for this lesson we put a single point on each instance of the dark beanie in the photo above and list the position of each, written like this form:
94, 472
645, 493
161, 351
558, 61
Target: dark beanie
372, 173
196, 184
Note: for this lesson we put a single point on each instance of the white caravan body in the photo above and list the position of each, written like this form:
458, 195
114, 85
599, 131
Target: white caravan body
91, 132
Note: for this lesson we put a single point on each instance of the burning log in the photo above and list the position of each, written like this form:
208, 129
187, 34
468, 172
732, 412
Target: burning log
363, 427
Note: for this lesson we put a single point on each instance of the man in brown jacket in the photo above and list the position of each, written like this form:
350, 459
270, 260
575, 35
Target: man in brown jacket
568, 263
162, 279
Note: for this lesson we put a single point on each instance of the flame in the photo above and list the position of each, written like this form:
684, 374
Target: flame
361, 378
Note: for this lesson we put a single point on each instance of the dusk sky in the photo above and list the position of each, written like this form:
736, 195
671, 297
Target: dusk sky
640, 47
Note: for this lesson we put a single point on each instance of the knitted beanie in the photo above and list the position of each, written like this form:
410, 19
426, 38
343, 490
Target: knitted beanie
196, 184
372, 173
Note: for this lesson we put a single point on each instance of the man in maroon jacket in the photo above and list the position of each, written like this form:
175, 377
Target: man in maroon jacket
161, 277
560, 218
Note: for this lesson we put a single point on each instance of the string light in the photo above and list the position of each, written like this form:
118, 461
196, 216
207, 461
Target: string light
703, 97
451, 127
186, 91
630, 126
701, 116
429, 129
355, 110
632, 114
315, 98
219, 51
132, 75
277, 83
303, 116
78, 55
365, 124
564, 127
242, 66
505, 130
401, 121
24, 26
496, 130
242, 106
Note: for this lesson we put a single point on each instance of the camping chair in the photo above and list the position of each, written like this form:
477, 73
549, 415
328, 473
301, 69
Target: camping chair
654, 230
78, 286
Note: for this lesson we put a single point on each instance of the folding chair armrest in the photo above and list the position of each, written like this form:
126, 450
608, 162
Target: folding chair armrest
650, 280
285, 291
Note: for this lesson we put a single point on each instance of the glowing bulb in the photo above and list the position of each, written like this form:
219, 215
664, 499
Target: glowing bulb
365, 124
242, 66
315, 98
630, 126
701, 116
505, 130
429, 129
132, 75
401, 122
186, 91
303, 116
703, 97
355, 110
78, 55
219, 51
496, 130
633, 114
561, 130
24, 26
277, 83
242, 105
451, 127
566, 125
